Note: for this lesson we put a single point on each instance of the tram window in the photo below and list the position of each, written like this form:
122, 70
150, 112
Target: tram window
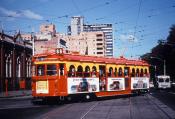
102, 70
87, 71
126, 71
94, 71
71, 71
61, 69
141, 72
115, 72
80, 71
110, 72
133, 72
51, 70
161, 80
120, 72
40, 70
137, 72
145, 72
166, 80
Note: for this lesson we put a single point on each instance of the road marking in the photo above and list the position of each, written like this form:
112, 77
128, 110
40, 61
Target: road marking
162, 107
89, 110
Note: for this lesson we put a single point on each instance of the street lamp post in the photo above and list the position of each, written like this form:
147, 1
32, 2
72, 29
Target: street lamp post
164, 64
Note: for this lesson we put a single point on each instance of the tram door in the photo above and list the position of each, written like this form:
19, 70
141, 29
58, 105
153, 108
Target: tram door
127, 78
62, 77
102, 77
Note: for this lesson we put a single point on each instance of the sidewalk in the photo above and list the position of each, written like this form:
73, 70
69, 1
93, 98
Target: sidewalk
19, 93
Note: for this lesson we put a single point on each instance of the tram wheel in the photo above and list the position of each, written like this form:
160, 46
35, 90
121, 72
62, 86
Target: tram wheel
69, 98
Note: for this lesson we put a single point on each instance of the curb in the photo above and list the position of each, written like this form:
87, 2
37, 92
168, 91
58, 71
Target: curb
13, 96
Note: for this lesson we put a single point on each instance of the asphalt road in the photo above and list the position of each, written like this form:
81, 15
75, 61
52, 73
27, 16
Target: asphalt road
156, 105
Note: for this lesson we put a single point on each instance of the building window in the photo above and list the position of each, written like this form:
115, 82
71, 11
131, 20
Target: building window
29, 68
18, 68
99, 48
46, 26
8, 66
99, 53
99, 39
99, 35
99, 43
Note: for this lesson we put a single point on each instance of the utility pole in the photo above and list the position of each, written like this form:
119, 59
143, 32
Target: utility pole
33, 41
164, 64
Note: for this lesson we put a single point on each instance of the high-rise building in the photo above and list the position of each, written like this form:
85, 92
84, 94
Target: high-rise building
108, 34
48, 28
86, 43
76, 25
47, 32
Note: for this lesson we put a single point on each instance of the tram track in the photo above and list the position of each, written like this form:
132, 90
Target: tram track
53, 112
89, 110
151, 101
130, 108
66, 108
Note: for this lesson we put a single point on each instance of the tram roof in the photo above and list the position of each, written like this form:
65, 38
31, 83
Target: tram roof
86, 58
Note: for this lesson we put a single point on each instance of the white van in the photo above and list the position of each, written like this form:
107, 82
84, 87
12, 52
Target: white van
163, 82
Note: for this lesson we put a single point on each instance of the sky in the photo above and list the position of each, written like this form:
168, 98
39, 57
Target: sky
137, 24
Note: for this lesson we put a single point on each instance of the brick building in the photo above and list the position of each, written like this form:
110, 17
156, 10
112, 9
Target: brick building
15, 62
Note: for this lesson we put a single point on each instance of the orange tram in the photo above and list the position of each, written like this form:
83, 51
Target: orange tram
67, 76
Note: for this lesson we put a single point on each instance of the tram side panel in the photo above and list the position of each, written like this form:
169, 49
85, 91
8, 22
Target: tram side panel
139, 84
116, 84
42, 88
82, 85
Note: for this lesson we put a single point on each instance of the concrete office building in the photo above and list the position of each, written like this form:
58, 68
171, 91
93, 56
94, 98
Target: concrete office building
86, 43
77, 26
108, 34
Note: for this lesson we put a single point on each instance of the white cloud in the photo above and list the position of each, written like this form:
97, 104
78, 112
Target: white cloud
23, 13
128, 37
9, 13
31, 15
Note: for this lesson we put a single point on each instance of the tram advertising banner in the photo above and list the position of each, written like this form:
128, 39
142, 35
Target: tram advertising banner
42, 87
82, 85
139, 82
116, 84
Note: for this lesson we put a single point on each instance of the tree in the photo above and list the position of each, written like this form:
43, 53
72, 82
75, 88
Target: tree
164, 50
